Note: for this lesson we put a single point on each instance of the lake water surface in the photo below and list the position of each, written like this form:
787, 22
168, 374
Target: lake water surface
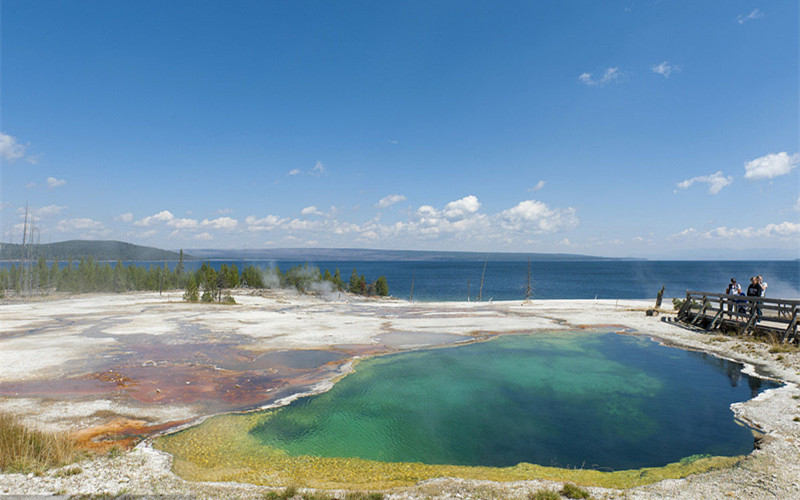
507, 280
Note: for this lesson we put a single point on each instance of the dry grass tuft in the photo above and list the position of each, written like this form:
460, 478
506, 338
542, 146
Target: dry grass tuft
571, 490
776, 347
28, 450
544, 494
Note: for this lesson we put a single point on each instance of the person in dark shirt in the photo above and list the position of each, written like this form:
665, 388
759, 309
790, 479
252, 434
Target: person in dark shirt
755, 290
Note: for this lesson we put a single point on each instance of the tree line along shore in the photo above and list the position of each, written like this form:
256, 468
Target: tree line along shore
206, 284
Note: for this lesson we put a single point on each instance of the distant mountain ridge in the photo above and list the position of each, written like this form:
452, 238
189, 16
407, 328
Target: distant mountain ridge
360, 254
99, 250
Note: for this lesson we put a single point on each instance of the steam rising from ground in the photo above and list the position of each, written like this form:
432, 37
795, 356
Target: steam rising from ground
308, 278
270, 278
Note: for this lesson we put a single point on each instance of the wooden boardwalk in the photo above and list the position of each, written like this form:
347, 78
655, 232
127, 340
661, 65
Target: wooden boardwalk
742, 314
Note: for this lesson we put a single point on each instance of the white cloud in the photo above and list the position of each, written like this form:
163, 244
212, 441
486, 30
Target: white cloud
30, 185
715, 182
459, 220
37, 214
162, 216
49, 210
426, 210
312, 210
785, 228
221, 223
87, 228
460, 208
224, 211
611, 75
267, 223
294, 171
797, 204
319, 169
665, 69
183, 223
771, 165
756, 14
772, 230
203, 236
539, 185
391, 200
10, 149
165, 216
536, 216
53, 183
686, 233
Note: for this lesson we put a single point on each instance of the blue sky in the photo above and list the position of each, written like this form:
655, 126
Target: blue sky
618, 128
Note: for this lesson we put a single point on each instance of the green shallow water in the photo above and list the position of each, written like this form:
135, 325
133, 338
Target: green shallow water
575, 399
512, 408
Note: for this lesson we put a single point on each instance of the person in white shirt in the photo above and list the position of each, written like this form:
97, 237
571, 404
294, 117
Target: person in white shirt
734, 288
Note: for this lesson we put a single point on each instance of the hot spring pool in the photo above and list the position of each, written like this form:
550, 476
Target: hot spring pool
576, 400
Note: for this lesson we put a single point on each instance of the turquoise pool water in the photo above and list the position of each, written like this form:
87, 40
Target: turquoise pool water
573, 399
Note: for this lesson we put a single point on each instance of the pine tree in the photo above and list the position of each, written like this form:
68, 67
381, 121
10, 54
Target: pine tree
179, 268
382, 286
118, 281
353, 285
191, 294
337, 279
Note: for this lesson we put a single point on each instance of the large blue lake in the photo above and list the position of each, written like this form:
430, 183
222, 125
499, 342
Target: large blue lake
450, 280
507, 280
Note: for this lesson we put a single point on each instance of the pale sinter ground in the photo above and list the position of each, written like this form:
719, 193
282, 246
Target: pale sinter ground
67, 337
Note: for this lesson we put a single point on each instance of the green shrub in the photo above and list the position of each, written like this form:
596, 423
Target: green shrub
286, 494
574, 491
544, 495
364, 496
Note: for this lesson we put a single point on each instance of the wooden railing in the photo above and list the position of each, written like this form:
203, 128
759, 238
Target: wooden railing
745, 314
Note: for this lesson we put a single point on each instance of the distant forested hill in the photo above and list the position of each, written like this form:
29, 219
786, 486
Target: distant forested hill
99, 250
360, 254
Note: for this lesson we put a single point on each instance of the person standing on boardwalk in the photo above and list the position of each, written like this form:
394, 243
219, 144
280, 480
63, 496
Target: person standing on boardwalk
762, 285
734, 288
755, 290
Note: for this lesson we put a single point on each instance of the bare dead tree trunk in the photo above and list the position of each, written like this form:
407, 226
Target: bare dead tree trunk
483, 274
24, 255
528, 289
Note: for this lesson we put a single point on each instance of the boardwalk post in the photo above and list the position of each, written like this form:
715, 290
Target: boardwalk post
716, 318
791, 331
659, 297
702, 310
684, 310
750, 322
